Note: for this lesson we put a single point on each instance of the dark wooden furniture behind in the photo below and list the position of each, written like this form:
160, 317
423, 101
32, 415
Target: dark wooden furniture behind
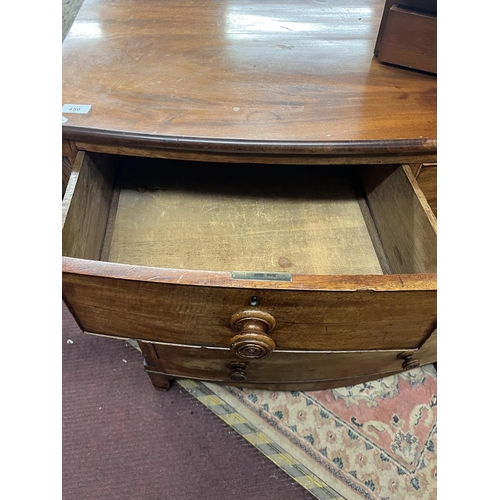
244, 200
408, 34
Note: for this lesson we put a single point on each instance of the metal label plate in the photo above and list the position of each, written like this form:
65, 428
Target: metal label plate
250, 275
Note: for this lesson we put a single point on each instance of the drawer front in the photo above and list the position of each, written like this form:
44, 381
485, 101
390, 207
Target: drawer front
138, 299
222, 365
197, 315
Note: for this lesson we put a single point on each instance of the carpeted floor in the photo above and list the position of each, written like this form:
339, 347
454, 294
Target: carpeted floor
122, 439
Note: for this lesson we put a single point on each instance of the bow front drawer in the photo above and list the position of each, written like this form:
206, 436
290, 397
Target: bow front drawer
290, 368
250, 258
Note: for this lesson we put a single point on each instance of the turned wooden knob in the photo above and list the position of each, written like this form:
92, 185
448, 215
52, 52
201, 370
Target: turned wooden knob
238, 373
252, 341
409, 363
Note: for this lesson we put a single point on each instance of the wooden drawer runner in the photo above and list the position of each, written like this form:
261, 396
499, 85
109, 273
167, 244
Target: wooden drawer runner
341, 258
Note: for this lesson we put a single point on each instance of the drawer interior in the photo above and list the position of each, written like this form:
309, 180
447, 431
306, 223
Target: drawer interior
298, 219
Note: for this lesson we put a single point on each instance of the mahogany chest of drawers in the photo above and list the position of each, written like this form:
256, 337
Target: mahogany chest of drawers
244, 199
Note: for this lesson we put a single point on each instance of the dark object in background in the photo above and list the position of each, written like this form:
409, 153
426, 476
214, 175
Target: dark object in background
408, 34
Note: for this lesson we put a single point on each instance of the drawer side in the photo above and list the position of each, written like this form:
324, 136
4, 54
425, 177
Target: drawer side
404, 220
86, 207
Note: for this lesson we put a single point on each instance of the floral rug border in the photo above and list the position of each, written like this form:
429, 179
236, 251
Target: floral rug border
331, 469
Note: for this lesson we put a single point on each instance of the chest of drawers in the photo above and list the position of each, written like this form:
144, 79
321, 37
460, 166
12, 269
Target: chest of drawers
244, 198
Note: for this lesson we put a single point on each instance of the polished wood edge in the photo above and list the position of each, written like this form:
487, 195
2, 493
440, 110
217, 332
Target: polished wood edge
353, 283
261, 158
128, 139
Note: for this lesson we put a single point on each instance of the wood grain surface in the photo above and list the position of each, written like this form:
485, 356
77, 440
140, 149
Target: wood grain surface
427, 178
295, 75
249, 218
200, 315
86, 207
281, 366
405, 222
409, 38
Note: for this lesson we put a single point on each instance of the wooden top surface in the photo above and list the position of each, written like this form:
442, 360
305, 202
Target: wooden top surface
276, 74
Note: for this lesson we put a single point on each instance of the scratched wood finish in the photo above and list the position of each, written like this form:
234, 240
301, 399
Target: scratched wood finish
280, 366
338, 369
325, 283
250, 218
295, 76
154, 366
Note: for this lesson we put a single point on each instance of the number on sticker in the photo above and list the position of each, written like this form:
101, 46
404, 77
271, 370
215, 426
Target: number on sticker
81, 109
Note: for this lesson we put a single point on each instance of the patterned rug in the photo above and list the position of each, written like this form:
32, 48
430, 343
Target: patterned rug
376, 440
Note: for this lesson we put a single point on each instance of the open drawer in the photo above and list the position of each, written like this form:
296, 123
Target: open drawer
254, 258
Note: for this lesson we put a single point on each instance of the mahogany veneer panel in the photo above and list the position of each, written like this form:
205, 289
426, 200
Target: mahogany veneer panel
282, 366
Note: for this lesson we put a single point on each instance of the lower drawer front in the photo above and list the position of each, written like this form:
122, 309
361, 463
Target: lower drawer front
281, 366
